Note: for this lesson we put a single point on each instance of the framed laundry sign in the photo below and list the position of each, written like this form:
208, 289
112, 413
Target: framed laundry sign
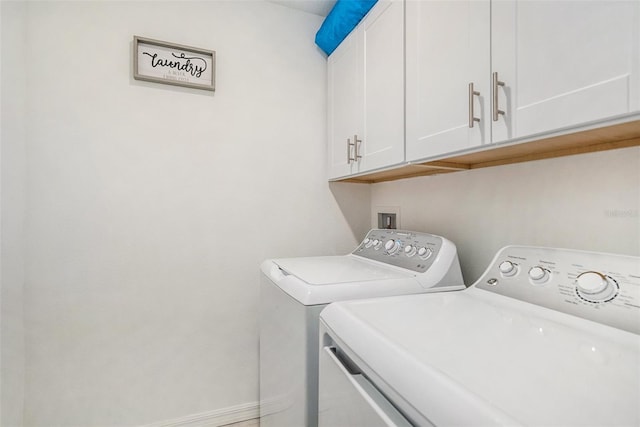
173, 64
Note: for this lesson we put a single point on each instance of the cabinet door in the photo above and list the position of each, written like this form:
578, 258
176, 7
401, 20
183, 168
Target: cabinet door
448, 47
563, 63
344, 104
383, 86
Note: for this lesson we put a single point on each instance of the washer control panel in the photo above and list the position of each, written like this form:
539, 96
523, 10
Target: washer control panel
604, 288
407, 249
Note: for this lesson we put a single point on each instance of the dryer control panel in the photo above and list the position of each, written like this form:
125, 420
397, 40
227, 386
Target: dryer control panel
604, 288
406, 249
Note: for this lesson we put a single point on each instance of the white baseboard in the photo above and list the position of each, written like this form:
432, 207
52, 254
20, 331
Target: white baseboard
215, 418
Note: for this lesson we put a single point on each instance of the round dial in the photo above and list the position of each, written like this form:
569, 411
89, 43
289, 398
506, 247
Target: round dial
507, 268
424, 253
410, 250
392, 246
539, 275
377, 243
595, 287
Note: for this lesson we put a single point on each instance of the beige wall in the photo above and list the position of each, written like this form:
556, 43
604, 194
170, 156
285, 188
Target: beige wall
588, 202
12, 204
150, 207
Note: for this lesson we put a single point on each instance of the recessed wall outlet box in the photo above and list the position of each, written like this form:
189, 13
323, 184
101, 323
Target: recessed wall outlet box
386, 217
387, 220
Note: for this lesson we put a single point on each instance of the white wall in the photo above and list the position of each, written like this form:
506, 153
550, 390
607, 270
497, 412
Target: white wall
588, 202
12, 203
150, 207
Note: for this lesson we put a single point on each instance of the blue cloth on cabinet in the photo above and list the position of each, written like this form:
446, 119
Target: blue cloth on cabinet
343, 18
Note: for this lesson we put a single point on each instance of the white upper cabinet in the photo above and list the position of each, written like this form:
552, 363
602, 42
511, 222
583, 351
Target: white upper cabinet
564, 63
536, 66
383, 38
366, 94
448, 48
345, 98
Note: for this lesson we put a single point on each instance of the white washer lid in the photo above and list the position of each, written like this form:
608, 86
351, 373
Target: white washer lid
329, 270
476, 358
321, 280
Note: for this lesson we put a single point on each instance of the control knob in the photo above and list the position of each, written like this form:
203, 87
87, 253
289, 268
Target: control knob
508, 268
424, 253
539, 275
392, 246
595, 287
410, 250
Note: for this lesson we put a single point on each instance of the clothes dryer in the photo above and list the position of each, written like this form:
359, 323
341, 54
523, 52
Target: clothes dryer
293, 291
546, 337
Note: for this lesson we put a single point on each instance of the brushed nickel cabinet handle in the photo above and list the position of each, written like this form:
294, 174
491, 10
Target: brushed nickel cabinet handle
496, 83
356, 144
472, 93
349, 145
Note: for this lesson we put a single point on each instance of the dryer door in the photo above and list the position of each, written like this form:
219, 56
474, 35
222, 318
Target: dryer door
347, 398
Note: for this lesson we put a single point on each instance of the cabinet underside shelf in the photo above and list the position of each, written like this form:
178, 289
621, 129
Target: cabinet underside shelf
586, 141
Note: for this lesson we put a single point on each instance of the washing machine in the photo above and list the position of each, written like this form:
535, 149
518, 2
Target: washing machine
545, 337
293, 291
